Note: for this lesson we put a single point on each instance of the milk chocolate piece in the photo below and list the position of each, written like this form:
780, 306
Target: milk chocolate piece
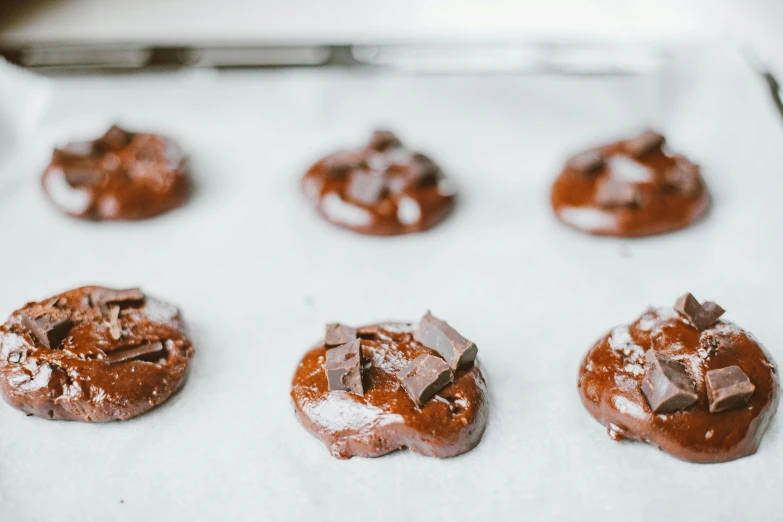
613, 193
366, 188
337, 334
437, 335
129, 297
344, 368
83, 177
645, 143
49, 331
701, 316
587, 162
115, 139
134, 352
683, 178
341, 163
383, 139
424, 377
667, 385
728, 388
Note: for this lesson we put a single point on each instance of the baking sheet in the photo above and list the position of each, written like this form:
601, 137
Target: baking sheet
258, 274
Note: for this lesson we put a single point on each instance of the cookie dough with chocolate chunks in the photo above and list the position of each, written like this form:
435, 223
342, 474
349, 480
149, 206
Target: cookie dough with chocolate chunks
630, 188
382, 189
697, 387
120, 176
93, 354
399, 393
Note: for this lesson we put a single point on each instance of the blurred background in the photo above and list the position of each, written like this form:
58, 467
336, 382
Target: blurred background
755, 23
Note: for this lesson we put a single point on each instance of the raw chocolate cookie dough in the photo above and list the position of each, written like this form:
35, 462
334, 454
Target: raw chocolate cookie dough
382, 189
120, 176
630, 188
699, 388
93, 354
372, 390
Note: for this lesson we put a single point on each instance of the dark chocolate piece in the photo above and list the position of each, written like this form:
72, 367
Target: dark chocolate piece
129, 297
683, 178
115, 138
83, 177
49, 331
424, 377
344, 368
134, 352
645, 143
367, 188
437, 335
613, 193
667, 385
587, 162
382, 140
423, 170
728, 388
337, 334
701, 316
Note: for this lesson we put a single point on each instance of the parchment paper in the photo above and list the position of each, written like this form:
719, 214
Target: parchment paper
258, 274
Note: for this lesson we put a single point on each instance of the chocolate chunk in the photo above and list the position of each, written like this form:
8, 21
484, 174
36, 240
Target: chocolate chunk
82, 177
423, 171
337, 334
114, 139
647, 142
588, 162
382, 140
683, 178
424, 377
437, 335
367, 188
134, 352
701, 316
613, 193
48, 330
341, 163
130, 297
728, 388
344, 368
667, 385
80, 149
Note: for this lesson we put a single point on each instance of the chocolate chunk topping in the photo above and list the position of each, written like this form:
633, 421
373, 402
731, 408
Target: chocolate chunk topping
114, 139
667, 385
337, 334
437, 335
130, 297
424, 377
344, 368
48, 330
423, 171
341, 163
699, 315
82, 177
588, 162
366, 188
382, 140
647, 142
613, 193
79, 149
728, 388
683, 178
134, 352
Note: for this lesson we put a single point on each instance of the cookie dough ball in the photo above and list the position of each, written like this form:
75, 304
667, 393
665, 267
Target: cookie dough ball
93, 354
697, 387
381, 189
120, 176
630, 188
376, 389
